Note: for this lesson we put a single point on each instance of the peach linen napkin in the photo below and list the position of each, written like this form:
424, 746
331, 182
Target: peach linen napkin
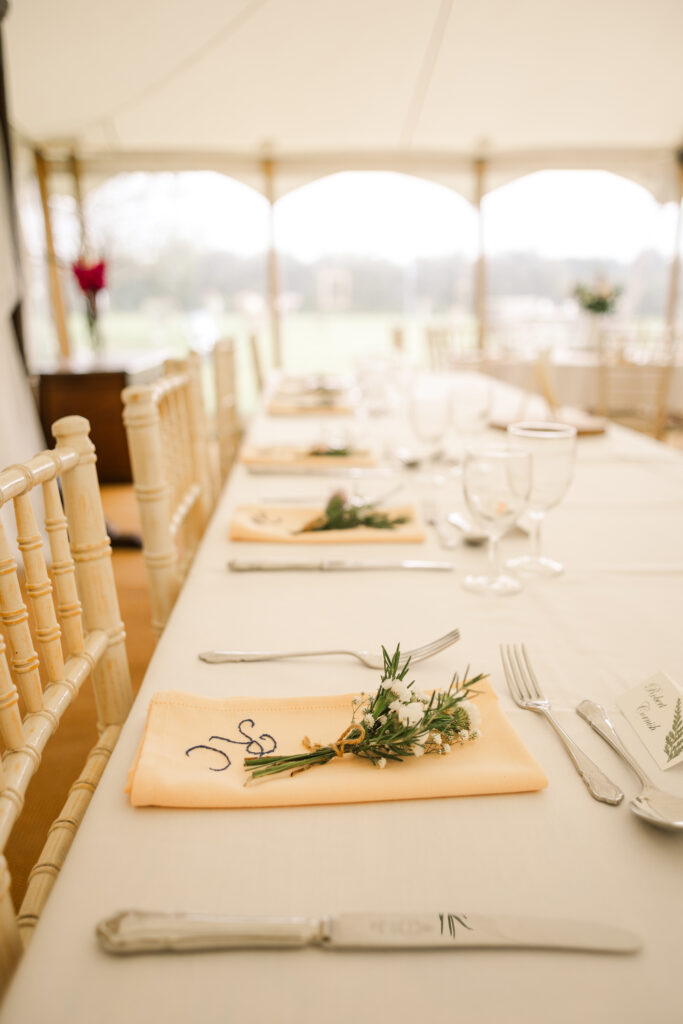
276, 524
283, 404
193, 750
292, 455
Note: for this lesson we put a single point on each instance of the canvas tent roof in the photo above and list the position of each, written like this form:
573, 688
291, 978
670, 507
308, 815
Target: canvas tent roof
423, 86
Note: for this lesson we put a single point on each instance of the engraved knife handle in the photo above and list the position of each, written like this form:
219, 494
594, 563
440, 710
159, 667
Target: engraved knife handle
136, 931
597, 718
599, 786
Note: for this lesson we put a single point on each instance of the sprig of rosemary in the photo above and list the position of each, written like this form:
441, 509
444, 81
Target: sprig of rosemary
391, 724
321, 449
340, 514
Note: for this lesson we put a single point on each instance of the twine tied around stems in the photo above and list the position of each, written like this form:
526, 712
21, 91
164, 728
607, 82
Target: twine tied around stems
339, 748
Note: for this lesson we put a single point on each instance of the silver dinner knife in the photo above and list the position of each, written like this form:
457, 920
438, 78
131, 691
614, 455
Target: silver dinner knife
333, 565
135, 931
268, 469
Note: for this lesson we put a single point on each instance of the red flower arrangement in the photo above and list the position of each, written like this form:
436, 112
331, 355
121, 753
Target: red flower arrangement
92, 278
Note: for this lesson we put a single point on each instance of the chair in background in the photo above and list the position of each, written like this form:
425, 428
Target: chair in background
79, 634
451, 348
257, 362
168, 441
227, 417
439, 347
636, 395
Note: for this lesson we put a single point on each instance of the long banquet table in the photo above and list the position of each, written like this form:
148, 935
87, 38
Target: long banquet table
609, 622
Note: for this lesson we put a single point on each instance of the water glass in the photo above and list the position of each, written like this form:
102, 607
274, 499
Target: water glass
496, 484
552, 447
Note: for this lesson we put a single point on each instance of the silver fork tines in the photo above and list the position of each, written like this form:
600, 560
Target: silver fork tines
526, 692
366, 657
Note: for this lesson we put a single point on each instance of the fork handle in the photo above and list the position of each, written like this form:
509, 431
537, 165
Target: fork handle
214, 657
599, 786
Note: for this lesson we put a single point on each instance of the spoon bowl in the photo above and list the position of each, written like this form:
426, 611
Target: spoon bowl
664, 810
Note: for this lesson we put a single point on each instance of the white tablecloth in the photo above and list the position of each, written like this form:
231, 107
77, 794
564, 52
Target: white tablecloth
613, 619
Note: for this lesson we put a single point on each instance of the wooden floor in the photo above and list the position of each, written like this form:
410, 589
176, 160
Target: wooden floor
77, 732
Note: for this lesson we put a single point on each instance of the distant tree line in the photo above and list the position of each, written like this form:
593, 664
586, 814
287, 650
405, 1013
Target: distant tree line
185, 275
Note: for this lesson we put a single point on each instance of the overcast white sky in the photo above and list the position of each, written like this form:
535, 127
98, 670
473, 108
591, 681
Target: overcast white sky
553, 213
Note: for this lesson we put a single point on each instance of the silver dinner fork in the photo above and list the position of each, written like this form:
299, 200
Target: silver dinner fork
526, 693
366, 657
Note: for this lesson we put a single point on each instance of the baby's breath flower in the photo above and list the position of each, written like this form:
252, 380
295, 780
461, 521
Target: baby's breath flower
381, 762
418, 750
463, 734
446, 748
410, 714
401, 691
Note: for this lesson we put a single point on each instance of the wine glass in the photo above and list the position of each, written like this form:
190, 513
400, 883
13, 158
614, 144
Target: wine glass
429, 415
470, 406
552, 447
496, 483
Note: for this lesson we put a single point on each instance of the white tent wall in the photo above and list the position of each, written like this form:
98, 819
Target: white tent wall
420, 86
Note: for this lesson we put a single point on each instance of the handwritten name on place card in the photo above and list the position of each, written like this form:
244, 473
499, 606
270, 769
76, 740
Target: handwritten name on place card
654, 709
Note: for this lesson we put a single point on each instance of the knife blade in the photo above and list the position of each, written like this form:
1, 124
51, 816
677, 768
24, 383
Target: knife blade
338, 471
135, 931
334, 565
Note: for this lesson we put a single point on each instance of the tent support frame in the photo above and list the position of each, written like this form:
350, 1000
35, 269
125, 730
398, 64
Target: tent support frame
480, 265
56, 296
273, 267
675, 271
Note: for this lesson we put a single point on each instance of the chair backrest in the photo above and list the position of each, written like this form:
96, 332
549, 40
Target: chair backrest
257, 362
78, 633
169, 452
438, 347
635, 394
227, 415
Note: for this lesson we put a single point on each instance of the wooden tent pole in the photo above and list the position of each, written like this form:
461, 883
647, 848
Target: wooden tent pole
76, 174
675, 271
273, 269
56, 297
480, 266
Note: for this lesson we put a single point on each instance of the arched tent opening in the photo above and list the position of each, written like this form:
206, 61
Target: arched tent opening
552, 230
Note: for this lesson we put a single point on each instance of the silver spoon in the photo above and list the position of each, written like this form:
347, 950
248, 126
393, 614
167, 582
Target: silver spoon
431, 517
470, 535
654, 805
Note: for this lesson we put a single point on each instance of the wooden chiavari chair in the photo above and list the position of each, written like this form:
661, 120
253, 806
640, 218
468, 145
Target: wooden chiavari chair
636, 395
79, 634
257, 362
227, 417
168, 442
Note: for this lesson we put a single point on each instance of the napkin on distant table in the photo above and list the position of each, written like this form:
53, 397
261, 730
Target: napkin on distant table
297, 455
193, 750
273, 523
283, 404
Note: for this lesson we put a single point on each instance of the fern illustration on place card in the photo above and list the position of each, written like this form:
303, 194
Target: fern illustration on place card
654, 709
393, 723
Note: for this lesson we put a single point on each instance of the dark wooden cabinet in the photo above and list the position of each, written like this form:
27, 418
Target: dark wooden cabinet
94, 391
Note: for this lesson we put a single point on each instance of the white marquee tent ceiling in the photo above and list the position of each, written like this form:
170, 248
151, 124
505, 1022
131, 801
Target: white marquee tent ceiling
322, 85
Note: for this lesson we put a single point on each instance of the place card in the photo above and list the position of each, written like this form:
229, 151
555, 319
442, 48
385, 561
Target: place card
654, 710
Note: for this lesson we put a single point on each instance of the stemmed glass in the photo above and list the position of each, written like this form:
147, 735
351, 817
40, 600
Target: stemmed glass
429, 414
496, 483
552, 447
470, 406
